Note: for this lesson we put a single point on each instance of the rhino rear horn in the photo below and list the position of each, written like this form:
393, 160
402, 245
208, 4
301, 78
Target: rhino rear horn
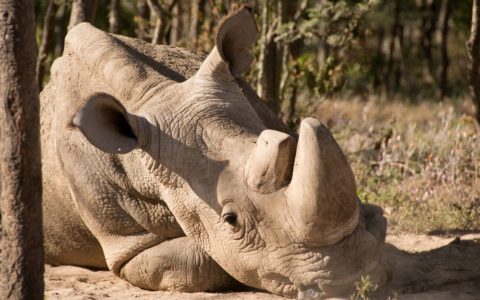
269, 168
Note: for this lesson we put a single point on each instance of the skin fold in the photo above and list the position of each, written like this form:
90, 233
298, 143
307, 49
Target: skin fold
164, 167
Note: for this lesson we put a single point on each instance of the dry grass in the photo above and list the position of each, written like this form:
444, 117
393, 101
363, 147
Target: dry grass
420, 162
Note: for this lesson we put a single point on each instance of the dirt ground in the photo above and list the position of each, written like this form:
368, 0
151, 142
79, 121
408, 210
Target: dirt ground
425, 267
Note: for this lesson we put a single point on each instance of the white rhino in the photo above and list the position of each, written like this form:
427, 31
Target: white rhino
184, 185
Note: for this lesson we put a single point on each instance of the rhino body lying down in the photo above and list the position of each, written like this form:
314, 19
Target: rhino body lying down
181, 184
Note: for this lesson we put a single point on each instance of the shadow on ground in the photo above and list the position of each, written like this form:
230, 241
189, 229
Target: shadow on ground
450, 271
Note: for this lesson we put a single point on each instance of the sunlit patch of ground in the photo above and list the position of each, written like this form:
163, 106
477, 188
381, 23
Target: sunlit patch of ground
424, 267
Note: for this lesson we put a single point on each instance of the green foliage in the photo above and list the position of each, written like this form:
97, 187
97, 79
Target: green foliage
364, 289
334, 47
335, 25
417, 161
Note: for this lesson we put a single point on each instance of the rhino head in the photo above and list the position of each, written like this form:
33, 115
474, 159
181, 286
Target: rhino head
276, 214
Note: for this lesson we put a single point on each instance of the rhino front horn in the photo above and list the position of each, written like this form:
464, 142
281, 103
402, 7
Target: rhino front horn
322, 196
270, 165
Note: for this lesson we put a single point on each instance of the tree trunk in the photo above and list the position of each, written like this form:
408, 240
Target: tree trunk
269, 62
178, 22
161, 23
143, 14
22, 258
399, 58
445, 61
163, 17
114, 16
46, 45
430, 9
212, 17
292, 11
473, 47
262, 43
392, 48
82, 11
194, 24
379, 59
61, 24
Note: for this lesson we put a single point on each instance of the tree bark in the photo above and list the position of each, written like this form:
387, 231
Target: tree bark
143, 14
270, 60
46, 45
194, 24
263, 45
22, 258
61, 24
430, 9
114, 17
392, 47
82, 11
379, 59
399, 58
163, 17
212, 16
292, 11
445, 60
473, 48
160, 24
178, 23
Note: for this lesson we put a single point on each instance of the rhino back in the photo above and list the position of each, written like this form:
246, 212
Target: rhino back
129, 69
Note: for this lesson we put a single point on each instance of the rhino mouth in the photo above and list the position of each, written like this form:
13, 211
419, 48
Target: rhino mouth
331, 271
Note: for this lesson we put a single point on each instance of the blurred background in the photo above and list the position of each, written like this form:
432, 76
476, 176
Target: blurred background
389, 77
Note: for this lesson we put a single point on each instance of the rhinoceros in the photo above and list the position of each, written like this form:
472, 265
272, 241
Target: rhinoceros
165, 167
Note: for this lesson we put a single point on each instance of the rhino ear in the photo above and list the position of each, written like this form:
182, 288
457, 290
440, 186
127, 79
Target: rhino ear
106, 124
236, 33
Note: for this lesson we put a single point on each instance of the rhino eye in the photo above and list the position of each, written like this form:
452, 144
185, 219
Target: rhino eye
230, 218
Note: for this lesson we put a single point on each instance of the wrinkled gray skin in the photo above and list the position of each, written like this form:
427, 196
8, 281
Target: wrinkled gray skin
176, 184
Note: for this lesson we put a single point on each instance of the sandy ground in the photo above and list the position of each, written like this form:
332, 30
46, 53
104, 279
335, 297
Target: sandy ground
425, 267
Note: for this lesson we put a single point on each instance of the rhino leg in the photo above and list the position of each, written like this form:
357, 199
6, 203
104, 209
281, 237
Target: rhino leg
176, 265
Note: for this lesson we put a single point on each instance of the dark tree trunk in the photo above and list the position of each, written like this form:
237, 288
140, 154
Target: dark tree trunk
22, 258
392, 47
212, 15
473, 47
379, 59
176, 28
114, 16
161, 22
61, 27
143, 13
292, 11
47, 37
430, 10
82, 11
399, 60
163, 18
445, 61
194, 23
270, 61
